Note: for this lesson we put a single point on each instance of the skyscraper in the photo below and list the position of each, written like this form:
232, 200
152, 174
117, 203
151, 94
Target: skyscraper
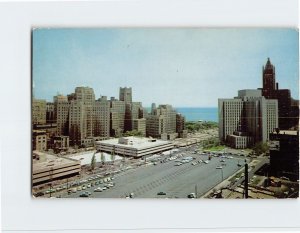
101, 117
247, 119
125, 94
117, 117
288, 111
61, 114
87, 96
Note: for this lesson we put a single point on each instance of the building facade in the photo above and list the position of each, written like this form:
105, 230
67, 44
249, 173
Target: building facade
288, 113
39, 140
125, 94
38, 111
247, 119
140, 126
117, 117
284, 154
101, 118
61, 114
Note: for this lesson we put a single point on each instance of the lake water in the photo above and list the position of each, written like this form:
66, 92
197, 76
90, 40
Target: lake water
196, 114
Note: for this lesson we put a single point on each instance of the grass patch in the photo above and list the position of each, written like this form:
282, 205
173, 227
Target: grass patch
215, 148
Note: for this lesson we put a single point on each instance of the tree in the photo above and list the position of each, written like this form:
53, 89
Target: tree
93, 162
112, 157
102, 158
133, 133
260, 148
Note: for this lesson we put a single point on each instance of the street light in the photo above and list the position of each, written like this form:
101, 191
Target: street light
222, 173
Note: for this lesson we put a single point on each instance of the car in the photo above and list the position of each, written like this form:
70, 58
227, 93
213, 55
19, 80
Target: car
222, 160
88, 193
194, 163
99, 189
284, 178
178, 164
79, 188
206, 161
191, 195
104, 188
83, 187
83, 195
161, 193
219, 167
89, 185
38, 194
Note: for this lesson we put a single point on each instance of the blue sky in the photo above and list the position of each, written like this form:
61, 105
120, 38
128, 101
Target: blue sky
184, 67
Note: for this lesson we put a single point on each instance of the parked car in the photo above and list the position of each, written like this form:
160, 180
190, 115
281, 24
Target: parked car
83, 195
191, 195
161, 193
98, 189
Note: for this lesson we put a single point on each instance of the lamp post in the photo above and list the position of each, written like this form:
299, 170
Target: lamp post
222, 174
246, 179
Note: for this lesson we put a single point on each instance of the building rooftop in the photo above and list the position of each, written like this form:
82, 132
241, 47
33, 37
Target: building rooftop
132, 142
48, 161
287, 132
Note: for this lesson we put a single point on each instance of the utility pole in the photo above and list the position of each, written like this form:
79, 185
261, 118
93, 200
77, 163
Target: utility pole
246, 179
196, 191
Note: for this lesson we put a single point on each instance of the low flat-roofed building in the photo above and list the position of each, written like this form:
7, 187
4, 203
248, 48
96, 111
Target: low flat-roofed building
239, 140
39, 140
47, 168
133, 146
61, 143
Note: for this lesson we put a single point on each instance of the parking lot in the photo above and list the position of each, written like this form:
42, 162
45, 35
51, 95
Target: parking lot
173, 175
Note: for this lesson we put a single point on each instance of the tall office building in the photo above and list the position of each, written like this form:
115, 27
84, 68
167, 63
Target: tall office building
125, 94
155, 125
87, 96
117, 117
61, 114
247, 119
101, 118
38, 111
161, 120
288, 111
132, 112
139, 125
77, 122
50, 114
170, 117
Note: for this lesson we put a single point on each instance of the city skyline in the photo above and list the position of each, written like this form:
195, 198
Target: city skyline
183, 67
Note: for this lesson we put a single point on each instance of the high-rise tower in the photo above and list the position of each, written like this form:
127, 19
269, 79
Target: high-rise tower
125, 95
269, 81
288, 114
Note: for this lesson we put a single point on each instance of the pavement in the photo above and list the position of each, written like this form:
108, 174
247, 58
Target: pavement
176, 181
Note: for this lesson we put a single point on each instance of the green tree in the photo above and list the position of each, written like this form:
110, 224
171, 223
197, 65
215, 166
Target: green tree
102, 158
260, 148
93, 162
133, 133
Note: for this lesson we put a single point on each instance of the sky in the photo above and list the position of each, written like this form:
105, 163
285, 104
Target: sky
184, 67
